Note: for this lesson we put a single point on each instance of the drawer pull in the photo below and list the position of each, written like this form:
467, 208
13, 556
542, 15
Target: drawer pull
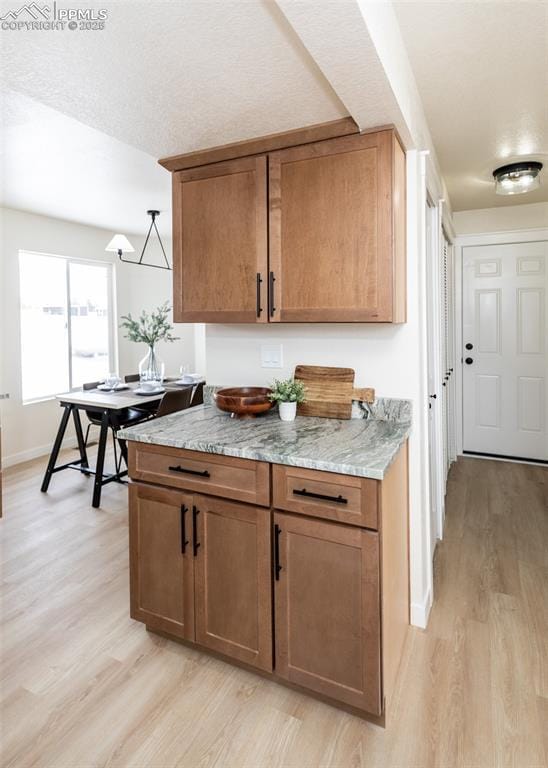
178, 468
310, 494
195, 542
184, 540
277, 566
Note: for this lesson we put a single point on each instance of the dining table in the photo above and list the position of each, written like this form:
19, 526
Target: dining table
109, 407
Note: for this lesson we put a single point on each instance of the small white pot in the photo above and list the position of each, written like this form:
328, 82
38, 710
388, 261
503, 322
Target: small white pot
288, 411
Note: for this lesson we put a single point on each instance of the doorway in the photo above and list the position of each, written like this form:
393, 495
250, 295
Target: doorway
504, 350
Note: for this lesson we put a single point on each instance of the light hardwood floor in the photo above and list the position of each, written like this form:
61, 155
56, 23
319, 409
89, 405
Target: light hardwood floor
83, 685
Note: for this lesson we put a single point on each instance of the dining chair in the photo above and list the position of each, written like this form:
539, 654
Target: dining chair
198, 395
126, 418
174, 400
131, 378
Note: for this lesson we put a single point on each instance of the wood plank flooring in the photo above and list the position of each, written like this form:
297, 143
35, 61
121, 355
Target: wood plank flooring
83, 686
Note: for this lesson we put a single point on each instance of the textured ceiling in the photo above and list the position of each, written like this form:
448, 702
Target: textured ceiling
54, 165
171, 77
167, 77
482, 73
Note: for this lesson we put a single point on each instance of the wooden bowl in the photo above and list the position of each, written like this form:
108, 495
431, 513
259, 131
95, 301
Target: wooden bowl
243, 402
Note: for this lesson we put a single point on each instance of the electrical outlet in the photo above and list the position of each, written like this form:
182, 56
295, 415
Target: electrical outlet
271, 356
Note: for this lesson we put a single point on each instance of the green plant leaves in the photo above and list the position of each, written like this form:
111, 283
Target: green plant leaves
287, 391
149, 328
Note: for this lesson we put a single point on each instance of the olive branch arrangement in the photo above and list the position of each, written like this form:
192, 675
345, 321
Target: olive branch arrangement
149, 328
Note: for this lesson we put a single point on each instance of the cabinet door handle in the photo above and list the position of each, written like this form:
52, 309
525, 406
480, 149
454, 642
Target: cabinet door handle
195, 542
335, 499
259, 281
277, 566
184, 540
178, 468
271, 307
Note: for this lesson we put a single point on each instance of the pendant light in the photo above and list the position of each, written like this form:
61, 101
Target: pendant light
120, 245
517, 178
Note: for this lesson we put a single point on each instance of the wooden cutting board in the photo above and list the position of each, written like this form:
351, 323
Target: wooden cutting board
328, 391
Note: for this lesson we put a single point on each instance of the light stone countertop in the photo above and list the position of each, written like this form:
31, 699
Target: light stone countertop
364, 447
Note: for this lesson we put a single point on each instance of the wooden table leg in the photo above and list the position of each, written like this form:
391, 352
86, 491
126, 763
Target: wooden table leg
103, 436
80, 438
56, 447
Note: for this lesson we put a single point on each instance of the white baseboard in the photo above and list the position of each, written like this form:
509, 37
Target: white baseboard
420, 612
35, 453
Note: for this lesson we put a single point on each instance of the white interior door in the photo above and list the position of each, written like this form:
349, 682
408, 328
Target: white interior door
505, 355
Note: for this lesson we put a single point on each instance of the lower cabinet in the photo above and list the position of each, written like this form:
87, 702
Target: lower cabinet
160, 560
327, 609
232, 580
292, 588
200, 569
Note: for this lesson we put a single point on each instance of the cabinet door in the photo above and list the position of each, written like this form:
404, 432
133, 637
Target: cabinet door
220, 243
327, 613
233, 580
161, 562
331, 239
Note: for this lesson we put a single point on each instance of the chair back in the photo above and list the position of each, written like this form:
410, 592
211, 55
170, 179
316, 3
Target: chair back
90, 385
198, 396
174, 400
131, 377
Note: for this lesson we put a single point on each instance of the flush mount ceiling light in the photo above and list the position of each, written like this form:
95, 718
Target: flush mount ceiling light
517, 178
120, 245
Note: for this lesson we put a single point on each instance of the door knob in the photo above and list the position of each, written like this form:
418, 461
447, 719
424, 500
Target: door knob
469, 361
469, 346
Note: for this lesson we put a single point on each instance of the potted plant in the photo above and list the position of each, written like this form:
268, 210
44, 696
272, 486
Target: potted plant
287, 393
149, 329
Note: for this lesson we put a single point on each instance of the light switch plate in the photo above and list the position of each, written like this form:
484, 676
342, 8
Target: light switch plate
271, 356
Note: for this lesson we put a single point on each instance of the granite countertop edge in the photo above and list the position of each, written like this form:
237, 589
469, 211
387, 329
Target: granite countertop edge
372, 461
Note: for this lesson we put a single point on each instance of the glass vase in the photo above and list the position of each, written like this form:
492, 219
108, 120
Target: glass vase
151, 367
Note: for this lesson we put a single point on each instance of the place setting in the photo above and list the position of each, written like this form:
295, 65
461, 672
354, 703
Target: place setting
148, 388
112, 383
186, 379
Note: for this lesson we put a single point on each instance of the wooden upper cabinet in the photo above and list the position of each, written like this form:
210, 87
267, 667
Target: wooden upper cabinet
319, 238
220, 242
161, 562
337, 230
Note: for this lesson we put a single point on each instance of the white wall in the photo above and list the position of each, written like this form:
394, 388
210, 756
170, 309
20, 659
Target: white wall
503, 219
390, 358
28, 430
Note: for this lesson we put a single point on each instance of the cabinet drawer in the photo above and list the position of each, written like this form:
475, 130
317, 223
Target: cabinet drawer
233, 478
344, 498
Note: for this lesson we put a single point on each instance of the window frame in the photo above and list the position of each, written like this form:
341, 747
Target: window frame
111, 309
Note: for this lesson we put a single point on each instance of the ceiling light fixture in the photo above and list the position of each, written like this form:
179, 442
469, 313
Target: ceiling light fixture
517, 178
120, 245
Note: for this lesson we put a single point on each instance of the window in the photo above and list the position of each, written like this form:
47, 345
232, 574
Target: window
67, 332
